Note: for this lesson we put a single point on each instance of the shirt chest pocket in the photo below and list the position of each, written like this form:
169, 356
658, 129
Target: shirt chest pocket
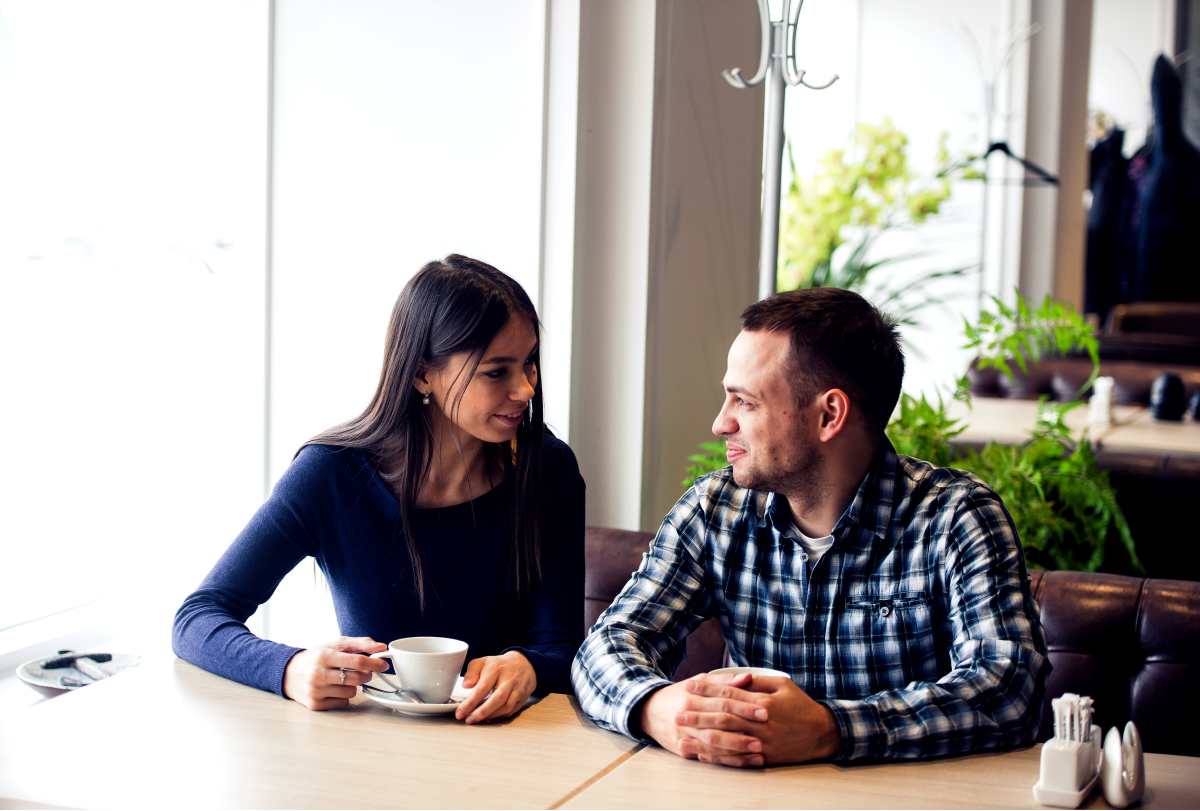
885, 606
894, 634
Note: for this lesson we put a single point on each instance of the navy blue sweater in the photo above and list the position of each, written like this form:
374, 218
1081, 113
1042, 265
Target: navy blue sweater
332, 505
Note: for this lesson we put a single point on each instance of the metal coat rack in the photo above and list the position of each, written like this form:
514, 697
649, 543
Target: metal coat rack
776, 66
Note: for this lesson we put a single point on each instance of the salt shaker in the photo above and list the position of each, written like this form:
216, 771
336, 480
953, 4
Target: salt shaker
1101, 404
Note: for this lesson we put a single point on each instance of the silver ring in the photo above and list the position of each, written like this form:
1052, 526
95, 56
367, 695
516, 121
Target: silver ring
343, 678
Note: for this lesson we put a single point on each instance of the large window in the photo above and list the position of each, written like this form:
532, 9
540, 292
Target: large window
159, 365
132, 210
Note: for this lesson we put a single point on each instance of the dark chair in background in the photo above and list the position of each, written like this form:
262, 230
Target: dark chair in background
1133, 644
1173, 319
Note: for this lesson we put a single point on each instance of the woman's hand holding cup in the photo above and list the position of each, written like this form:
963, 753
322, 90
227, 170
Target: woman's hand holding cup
509, 679
327, 677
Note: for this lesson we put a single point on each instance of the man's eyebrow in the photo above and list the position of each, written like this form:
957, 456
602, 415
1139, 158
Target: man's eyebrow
740, 390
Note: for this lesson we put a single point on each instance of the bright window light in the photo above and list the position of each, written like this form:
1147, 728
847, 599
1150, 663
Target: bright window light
132, 210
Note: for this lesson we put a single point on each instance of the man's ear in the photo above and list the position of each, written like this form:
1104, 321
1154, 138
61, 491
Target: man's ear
833, 413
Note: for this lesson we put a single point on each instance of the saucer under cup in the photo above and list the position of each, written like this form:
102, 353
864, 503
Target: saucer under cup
425, 665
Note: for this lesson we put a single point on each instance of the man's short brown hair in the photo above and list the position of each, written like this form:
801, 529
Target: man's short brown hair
839, 340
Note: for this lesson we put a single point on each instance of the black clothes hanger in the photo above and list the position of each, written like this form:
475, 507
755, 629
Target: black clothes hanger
1042, 174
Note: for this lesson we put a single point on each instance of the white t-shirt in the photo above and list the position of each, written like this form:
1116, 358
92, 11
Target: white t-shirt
814, 547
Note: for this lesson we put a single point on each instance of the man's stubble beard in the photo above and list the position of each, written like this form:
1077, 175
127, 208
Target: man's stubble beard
803, 478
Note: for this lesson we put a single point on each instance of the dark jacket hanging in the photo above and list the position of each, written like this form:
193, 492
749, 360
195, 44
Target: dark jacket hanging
1169, 216
1106, 229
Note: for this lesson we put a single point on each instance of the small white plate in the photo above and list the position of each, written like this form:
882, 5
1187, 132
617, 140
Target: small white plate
55, 681
457, 696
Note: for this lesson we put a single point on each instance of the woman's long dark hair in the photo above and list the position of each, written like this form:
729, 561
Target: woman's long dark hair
455, 305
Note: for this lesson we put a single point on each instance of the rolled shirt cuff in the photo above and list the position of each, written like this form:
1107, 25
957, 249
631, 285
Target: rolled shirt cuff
862, 729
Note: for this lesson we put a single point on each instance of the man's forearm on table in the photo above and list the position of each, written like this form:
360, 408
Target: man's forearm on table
935, 719
609, 691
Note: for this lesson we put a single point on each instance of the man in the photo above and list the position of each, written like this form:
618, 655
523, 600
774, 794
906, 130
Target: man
892, 592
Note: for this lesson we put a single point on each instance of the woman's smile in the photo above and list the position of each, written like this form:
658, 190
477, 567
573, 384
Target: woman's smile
512, 420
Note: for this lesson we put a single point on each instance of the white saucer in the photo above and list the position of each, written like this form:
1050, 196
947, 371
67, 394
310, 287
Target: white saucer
457, 697
54, 682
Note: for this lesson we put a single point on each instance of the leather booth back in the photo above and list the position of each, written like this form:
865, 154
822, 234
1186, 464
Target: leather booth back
612, 556
1132, 644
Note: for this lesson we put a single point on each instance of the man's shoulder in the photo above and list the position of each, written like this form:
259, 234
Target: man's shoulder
723, 499
925, 481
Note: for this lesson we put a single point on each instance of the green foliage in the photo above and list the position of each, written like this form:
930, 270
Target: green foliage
712, 458
1023, 334
924, 430
1062, 504
857, 200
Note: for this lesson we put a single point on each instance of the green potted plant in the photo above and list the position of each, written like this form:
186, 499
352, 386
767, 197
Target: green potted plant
854, 197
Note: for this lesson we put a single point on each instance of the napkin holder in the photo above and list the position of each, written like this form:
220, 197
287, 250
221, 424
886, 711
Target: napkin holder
1070, 770
1071, 759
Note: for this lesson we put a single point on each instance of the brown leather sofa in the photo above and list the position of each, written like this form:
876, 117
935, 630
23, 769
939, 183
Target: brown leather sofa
1133, 644
1062, 378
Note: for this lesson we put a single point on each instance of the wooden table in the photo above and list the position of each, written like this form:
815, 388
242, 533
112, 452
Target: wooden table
654, 778
1144, 433
169, 734
1010, 421
1133, 427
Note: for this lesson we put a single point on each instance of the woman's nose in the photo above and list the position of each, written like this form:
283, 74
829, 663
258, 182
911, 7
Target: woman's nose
525, 387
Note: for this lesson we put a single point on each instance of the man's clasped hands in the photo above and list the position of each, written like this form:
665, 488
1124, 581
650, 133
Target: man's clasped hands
740, 720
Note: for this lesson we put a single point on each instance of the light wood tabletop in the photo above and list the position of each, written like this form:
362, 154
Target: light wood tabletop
1010, 422
1148, 434
170, 734
654, 778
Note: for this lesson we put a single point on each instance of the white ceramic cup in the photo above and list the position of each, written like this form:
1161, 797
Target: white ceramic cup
425, 665
753, 671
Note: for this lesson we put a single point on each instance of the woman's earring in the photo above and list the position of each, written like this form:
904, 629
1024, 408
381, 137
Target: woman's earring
425, 399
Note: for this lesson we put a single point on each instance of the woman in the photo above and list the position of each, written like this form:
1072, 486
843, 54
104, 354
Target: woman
444, 509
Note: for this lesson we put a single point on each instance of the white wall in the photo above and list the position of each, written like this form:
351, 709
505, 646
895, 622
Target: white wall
1127, 36
612, 243
556, 302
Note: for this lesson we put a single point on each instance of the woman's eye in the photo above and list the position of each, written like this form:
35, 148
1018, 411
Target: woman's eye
495, 374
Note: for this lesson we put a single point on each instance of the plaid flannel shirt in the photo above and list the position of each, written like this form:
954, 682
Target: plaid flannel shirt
916, 628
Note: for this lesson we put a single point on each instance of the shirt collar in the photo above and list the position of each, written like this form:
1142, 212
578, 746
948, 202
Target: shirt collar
871, 507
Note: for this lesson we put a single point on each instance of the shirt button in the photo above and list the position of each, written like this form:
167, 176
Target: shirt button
885, 610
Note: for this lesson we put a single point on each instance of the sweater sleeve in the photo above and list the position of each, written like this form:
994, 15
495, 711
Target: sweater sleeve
556, 607
209, 629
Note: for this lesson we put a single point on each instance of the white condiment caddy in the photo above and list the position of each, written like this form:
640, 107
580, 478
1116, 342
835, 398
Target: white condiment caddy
1073, 761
